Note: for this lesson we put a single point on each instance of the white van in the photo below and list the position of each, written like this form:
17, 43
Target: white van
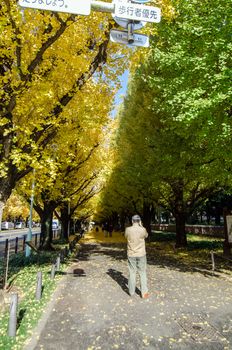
20, 224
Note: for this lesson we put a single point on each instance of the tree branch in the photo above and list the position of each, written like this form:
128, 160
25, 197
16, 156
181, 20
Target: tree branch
39, 56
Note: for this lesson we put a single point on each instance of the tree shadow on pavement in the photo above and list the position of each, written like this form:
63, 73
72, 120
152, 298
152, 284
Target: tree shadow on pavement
74, 273
113, 250
86, 251
121, 280
156, 256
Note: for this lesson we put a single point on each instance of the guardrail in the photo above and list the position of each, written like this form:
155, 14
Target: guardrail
18, 244
14, 245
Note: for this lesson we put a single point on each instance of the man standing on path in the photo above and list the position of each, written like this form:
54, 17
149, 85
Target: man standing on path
136, 253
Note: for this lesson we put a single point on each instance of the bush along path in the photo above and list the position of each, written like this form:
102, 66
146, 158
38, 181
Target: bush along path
23, 281
187, 309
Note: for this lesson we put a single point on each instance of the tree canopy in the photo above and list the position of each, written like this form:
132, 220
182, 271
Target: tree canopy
50, 64
174, 135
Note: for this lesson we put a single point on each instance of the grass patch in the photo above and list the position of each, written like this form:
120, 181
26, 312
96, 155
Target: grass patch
201, 242
194, 241
22, 279
159, 236
196, 254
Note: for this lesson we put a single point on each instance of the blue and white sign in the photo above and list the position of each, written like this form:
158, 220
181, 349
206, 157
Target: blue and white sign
121, 36
140, 1
78, 7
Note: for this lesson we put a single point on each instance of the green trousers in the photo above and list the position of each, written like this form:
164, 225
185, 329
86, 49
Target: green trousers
137, 264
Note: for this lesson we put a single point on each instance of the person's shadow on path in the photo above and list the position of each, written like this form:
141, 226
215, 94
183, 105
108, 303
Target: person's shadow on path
121, 280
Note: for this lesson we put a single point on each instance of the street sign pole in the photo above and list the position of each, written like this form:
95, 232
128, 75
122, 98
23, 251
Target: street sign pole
130, 34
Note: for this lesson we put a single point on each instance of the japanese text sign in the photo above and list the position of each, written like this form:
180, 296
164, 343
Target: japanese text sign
137, 12
78, 7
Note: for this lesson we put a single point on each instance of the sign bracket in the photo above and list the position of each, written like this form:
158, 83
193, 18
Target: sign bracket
130, 30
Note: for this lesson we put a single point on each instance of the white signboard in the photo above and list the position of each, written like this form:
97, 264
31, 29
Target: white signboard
78, 7
229, 227
137, 12
121, 36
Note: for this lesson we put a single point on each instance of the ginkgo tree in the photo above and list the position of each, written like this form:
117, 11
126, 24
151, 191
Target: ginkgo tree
74, 159
45, 59
127, 188
16, 208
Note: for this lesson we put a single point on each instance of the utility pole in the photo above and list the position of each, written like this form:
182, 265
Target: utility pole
29, 234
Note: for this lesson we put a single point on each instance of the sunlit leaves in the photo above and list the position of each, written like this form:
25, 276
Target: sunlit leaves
175, 126
58, 74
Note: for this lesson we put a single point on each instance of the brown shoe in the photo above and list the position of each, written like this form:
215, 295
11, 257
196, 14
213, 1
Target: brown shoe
145, 295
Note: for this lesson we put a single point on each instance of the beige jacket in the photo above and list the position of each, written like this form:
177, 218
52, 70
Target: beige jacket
135, 236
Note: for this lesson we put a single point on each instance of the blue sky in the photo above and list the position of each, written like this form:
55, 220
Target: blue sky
121, 92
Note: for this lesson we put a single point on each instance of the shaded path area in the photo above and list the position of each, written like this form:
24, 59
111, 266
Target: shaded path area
186, 310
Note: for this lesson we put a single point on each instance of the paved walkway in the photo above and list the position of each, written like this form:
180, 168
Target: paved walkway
92, 310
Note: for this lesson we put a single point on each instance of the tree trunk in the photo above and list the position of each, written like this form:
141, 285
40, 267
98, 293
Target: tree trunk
218, 216
181, 238
122, 220
6, 188
46, 227
114, 219
46, 215
179, 213
147, 215
64, 218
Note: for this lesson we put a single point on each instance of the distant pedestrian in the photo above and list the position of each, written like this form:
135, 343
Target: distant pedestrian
136, 253
105, 229
111, 228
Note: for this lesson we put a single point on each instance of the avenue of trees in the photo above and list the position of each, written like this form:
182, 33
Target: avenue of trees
58, 76
173, 145
170, 145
